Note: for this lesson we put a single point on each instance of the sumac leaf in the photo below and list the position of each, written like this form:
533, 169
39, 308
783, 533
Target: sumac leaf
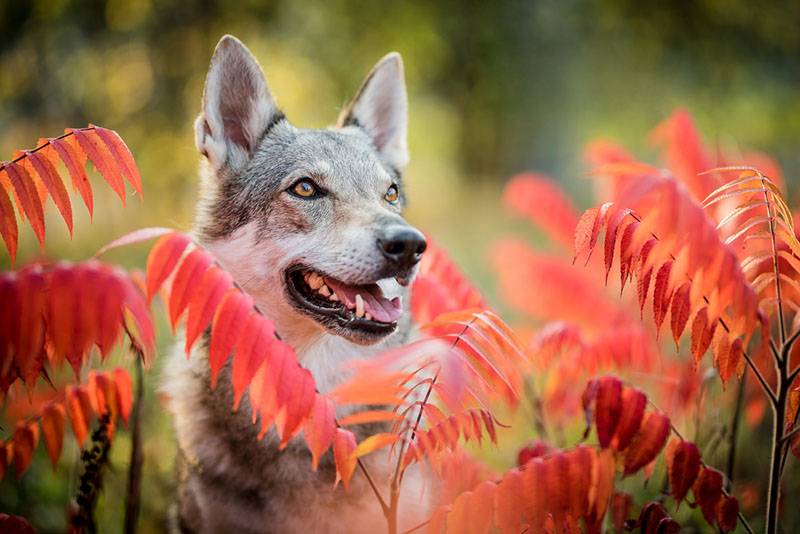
647, 443
683, 466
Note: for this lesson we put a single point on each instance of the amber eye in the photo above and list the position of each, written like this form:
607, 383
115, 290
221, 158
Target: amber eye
304, 188
392, 194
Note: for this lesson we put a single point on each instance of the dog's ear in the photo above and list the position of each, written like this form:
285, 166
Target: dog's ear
381, 108
237, 106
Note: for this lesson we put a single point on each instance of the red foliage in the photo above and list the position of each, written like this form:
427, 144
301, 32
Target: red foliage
56, 313
32, 175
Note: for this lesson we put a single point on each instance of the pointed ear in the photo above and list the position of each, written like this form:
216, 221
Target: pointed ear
381, 108
237, 106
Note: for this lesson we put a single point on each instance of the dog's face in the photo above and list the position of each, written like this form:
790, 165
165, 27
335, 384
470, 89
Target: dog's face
308, 221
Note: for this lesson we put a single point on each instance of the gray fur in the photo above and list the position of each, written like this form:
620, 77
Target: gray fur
228, 479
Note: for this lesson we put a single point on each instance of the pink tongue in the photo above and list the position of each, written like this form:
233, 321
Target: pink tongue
380, 308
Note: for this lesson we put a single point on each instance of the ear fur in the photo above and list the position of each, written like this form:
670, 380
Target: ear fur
381, 108
237, 106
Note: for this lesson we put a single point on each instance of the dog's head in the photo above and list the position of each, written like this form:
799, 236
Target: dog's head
308, 221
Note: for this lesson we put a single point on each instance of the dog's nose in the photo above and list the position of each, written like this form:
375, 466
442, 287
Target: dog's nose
402, 245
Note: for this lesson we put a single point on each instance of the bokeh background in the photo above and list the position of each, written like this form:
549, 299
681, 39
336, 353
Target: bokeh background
495, 88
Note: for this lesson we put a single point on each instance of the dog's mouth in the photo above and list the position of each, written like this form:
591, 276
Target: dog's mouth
359, 312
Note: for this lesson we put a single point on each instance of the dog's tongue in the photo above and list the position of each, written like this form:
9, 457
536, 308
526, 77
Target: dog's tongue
379, 307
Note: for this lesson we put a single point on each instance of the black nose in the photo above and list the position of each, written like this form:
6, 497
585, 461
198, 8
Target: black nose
402, 246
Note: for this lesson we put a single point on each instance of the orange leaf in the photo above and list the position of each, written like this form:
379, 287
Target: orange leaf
683, 466
226, 328
74, 165
661, 294
53, 430
8, 222
319, 428
508, 502
702, 334
79, 409
25, 191
728, 360
680, 311
647, 443
100, 157
162, 260
344, 443
26, 436
369, 416
300, 393
122, 156
374, 443
124, 392
52, 181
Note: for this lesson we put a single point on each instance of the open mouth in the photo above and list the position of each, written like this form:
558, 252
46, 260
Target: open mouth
359, 310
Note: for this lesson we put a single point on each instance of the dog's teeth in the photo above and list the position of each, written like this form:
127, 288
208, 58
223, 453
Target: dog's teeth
367, 316
334, 297
359, 306
315, 281
324, 291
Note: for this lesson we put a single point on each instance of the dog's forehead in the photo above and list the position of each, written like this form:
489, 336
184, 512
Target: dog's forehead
345, 154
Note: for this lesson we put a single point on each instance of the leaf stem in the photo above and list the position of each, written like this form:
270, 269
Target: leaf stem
134, 490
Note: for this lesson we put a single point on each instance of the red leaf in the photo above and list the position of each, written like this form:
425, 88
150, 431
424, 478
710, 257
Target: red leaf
728, 361
14, 524
300, 404
213, 285
74, 165
122, 156
727, 513
53, 429
607, 408
532, 450
228, 323
250, 354
544, 203
8, 223
47, 173
344, 443
702, 334
661, 294
587, 230
28, 197
626, 254
620, 510
680, 311
707, 491
509, 502
100, 157
124, 393
683, 466
647, 443
611, 238
319, 428
162, 260
137, 236
189, 273
643, 276
633, 404
79, 409
26, 436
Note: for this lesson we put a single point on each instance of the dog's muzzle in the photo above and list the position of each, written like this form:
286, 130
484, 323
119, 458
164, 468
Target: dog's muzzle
402, 246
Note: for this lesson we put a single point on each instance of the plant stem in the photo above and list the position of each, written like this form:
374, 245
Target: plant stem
737, 411
134, 493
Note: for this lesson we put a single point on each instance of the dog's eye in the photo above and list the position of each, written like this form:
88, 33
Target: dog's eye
305, 188
392, 194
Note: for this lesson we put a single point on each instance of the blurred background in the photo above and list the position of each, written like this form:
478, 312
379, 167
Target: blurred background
495, 88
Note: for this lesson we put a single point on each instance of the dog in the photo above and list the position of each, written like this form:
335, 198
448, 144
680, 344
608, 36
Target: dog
308, 222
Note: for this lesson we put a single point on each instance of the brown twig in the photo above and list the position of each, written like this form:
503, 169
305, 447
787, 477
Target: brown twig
134, 488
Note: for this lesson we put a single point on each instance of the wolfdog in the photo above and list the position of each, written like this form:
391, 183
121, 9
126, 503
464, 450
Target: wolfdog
308, 222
